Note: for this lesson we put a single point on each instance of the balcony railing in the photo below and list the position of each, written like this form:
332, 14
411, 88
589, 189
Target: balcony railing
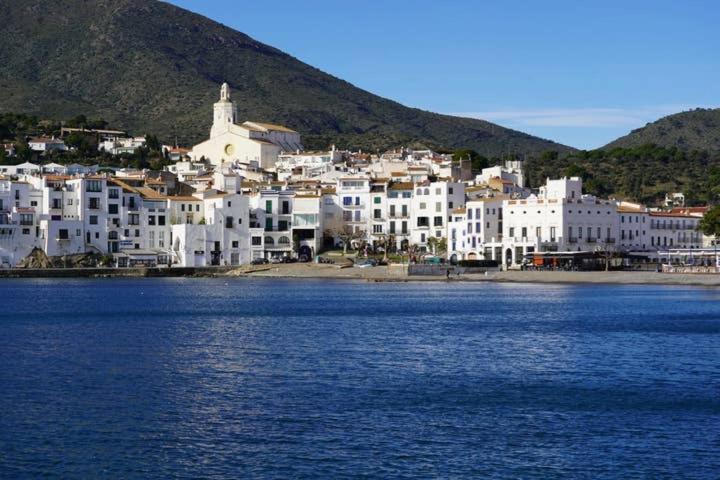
572, 240
591, 240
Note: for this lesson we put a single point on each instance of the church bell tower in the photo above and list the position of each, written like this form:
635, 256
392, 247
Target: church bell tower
224, 112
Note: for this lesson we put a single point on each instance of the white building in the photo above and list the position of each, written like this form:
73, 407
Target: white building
47, 144
250, 142
122, 145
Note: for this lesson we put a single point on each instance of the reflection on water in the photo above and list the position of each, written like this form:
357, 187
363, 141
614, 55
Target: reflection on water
270, 378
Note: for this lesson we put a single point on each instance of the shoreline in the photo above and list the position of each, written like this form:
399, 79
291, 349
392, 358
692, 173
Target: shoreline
393, 273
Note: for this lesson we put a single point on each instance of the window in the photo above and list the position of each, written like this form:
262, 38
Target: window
151, 220
113, 209
438, 207
78, 232
377, 214
228, 222
93, 186
347, 201
268, 224
450, 190
235, 244
377, 228
347, 216
450, 205
161, 220
423, 222
113, 193
285, 207
56, 203
511, 231
377, 200
283, 241
197, 207
404, 210
423, 205
63, 234
268, 206
552, 234
161, 239
404, 229
357, 215
392, 228
256, 241
133, 219
93, 203
93, 220
438, 221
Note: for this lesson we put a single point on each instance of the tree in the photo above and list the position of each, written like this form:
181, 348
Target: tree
710, 223
153, 143
386, 241
346, 234
607, 252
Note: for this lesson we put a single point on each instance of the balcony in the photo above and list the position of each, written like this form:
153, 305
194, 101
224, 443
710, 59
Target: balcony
354, 206
591, 240
572, 240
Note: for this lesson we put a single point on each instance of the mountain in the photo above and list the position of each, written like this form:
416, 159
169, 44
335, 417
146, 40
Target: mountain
692, 130
152, 67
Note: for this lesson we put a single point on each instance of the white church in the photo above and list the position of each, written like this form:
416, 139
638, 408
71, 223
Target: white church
248, 143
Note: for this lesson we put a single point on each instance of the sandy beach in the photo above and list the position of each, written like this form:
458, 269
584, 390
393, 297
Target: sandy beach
399, 273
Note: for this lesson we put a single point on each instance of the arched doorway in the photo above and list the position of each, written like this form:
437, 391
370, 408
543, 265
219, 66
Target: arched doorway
508, 257
453, 259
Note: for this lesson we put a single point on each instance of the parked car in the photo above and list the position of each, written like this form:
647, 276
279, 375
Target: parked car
289, 260
276, 260
259, 261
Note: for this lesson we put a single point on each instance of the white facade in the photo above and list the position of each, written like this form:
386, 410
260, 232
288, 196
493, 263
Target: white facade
251, 142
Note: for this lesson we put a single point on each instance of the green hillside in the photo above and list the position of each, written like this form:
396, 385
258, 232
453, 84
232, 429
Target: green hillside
149, 66
692, 130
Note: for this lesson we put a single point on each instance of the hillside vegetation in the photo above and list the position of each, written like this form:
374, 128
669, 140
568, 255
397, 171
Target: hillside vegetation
149, 66
693, 130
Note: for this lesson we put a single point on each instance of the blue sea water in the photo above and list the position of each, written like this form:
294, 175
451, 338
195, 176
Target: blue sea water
214, 378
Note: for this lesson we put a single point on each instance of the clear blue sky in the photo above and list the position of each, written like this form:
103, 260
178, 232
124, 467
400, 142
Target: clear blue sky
581, 73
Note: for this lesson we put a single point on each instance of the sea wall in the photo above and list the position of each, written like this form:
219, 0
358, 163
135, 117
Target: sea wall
112, 272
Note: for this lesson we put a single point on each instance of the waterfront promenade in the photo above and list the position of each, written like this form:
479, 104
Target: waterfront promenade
399, 273
391, 273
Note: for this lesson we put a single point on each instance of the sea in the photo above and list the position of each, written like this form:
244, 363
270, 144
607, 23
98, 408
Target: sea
286, 378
